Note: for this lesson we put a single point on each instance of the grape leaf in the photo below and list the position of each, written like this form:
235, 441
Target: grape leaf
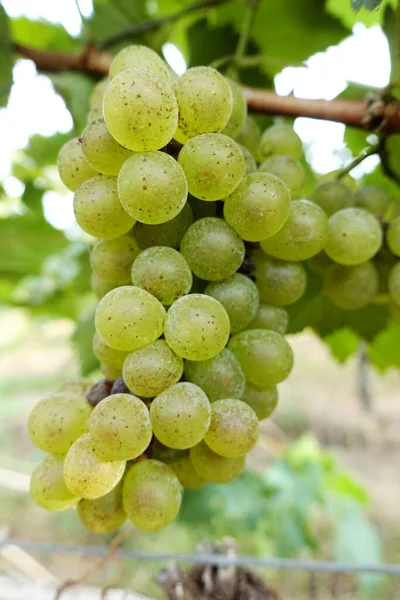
369, 4
43, 150
384, 350
112, 17
342, 343
42, 34
75, 89
6, 61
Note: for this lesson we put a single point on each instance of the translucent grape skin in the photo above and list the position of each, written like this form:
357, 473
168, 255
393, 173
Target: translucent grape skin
233, 429
136, 55
205, 102
355, 236
58, 420
250, 136
151, 495
393, 236
73, 167
219, 377
128, 318
140, 110
98, 91
105, 514
111, 373
332, 195
152, 369
213, 164
262, 400
351, 287
280, 140
120, 427
187, 474
196, 327
212, 249
47, 487
163, 272
112, 259
152, 187
372, 198
180, 416
265, 356
77, 386
259, 207
303, 235
250, 165
98, 209
394, 283
107, 355
85, 474
101, 150
100, 286
240, 298
288, 169
271, 317
239, 111
166, 234
215, 468
279, 282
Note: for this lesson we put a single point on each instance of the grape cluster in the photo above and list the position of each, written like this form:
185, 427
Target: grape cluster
201, 235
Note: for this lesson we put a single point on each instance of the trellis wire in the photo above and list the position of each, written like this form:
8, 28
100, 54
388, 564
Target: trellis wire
209, 559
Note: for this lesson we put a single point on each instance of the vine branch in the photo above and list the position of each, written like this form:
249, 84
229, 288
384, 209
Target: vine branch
368, 115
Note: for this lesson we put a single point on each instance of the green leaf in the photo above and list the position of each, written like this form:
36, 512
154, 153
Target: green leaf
384, 350
369, 4
75, 89
42, 35
342, 343
112, 17
391, 30
43, 150
343, 10
344, 484
6, 61
82, 340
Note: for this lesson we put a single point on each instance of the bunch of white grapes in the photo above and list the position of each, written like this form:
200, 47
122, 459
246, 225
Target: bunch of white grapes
201, 233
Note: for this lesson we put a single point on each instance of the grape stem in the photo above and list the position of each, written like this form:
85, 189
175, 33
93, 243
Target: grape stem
252, 6
370, 151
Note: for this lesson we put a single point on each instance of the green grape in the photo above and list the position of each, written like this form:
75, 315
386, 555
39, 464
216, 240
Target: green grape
105, 514
219, 377
392, 211
233, 430
172, 75
286, 168
347, 179
320, 263
152, 187
383, 264
303, 235
332, 195
101, 150
166, 234
212, 249
259, 207
98, 209
107, 355
95, 113
394, 283
393, 236
265, 356
128, 318
85, 474
213, 164
98, 91
196, 327
271, 317
73, 167
139, 56
355, 236
58, 420
163, 272
372, 198
120, 427
100, 286
240, 298
152, 369
112, 259
162, 453
205, 102
187, 474
250, 165
202, 209
47, 486
280, 140
239, 111
180, 416
250, 136
111, 373
151, 495
351, 287
279, 282
394, 310
77, 386
140, 110
262, 400
215, 468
